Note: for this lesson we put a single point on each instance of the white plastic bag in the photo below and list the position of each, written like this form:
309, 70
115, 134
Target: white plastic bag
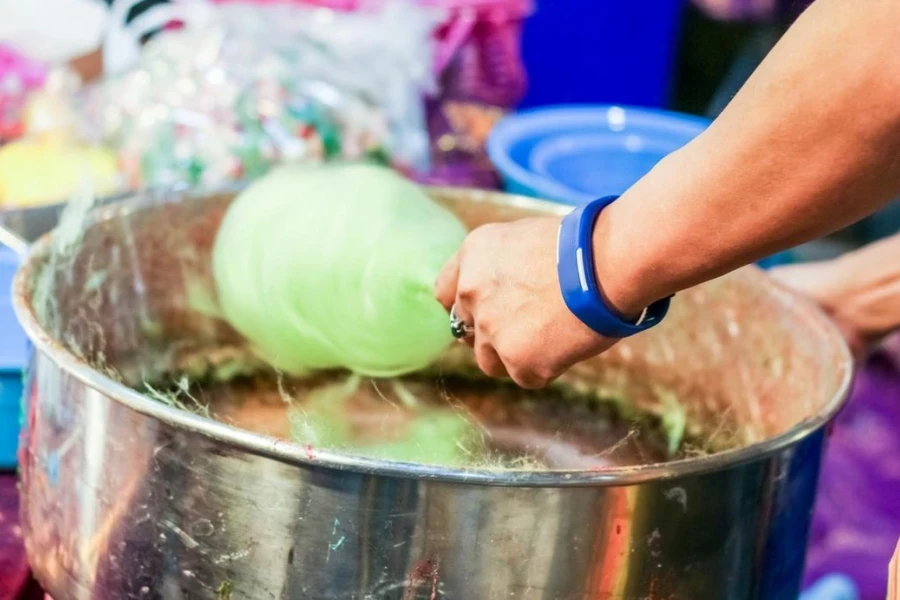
244, 87
53, 31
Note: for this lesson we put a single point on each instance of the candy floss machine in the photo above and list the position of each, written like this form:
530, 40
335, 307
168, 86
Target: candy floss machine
680, 465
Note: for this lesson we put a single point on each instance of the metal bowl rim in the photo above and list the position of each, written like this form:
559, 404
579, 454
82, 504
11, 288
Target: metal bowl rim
300, 455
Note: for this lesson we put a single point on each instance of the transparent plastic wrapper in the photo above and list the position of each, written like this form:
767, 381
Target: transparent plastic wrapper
480, 73
242, 87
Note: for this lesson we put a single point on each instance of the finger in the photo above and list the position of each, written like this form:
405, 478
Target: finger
527, 379
523, 371
528, 368
445, 285
489, 361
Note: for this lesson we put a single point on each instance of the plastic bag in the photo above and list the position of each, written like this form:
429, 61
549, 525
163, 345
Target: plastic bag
46, 30
229, 96
481, 77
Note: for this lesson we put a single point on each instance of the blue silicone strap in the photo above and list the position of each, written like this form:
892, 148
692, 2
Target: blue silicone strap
578, 283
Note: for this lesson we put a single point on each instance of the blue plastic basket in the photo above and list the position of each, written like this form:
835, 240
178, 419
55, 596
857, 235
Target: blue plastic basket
574, 154
12, 362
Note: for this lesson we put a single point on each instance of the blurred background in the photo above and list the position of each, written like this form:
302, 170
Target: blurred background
154, 92
562, 99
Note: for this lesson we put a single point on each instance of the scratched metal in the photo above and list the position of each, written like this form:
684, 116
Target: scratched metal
125, 498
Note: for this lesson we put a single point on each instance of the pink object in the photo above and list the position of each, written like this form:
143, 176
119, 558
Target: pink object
14, 64
19, 76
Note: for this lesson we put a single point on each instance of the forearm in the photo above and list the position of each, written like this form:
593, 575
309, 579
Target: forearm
809, 145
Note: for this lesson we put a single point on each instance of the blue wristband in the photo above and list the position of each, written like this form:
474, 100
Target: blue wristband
578, 283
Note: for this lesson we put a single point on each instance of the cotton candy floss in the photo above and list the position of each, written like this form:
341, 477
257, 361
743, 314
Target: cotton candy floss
333, 267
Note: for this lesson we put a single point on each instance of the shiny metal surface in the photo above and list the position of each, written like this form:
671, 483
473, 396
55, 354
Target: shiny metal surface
21, 227
124, 497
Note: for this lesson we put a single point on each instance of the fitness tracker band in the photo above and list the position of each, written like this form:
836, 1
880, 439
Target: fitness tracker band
578, 282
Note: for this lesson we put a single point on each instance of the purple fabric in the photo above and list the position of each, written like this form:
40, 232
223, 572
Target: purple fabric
15, 581
856, 522
480, 67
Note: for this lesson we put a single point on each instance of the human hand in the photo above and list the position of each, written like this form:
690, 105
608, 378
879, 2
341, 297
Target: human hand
859, 291
503, 281
820, 283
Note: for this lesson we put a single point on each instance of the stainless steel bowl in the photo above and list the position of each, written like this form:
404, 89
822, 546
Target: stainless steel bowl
125, 497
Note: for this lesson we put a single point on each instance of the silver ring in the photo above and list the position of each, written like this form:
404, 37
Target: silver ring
458, 328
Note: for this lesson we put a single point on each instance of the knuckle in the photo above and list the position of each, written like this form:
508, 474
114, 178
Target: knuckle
490, 369
469, 244
479, 238
484, 327
482, 231
467, 290
540, 383
527, 379
466, 295
514, 357
526, 369
541, 375
485, 357
547, 371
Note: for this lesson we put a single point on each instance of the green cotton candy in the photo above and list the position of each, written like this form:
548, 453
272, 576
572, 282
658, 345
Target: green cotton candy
431, 435
434, 439
333, 267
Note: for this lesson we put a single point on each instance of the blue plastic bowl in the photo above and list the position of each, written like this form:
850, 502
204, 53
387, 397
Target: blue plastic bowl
574, 154
12, 363
832, 587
